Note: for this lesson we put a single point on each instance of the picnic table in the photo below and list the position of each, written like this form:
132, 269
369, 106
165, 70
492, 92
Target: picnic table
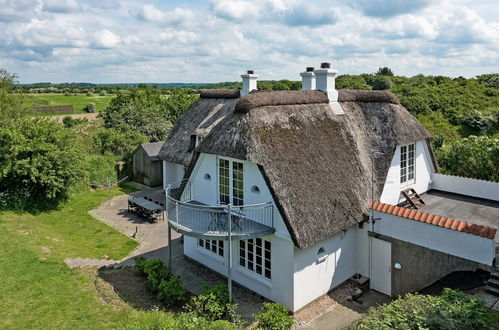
145, 208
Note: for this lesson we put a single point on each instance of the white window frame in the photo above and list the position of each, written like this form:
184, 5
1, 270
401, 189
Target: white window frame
217, 247
256, 257
199, 139
232, 198
408, 169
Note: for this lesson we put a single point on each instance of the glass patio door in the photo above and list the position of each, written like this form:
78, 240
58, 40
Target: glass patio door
230, 182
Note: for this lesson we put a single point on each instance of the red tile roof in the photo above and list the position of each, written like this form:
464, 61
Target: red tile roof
435, 220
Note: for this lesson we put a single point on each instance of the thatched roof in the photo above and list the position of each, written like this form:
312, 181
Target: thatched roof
220, 93
257, 99
201, 117
316, 164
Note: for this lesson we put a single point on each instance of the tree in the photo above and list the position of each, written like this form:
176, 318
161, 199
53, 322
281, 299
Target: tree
118, 142
147, 112
489, 80
476, 157
381, 83
41, 164
384, 71
10, 104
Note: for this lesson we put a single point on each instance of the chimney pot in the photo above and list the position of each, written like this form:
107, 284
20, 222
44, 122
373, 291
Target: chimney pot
325, 65
308, 79
249, 82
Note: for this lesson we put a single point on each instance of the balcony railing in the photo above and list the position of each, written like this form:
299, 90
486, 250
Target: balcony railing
195, 218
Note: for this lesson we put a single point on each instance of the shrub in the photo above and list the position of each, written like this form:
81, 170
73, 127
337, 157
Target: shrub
90, 108
381, 83
102, 93
274, 316
213, 304
475, 157
68, 121
451, 310
171, 291
102, 169
190, 320
118, 142
155, 271
151, 320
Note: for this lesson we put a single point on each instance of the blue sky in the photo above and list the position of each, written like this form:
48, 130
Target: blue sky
105, 41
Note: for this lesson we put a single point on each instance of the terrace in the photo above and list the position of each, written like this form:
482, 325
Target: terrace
221, 222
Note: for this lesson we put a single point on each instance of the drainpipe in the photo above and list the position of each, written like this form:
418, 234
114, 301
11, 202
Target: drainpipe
229, 253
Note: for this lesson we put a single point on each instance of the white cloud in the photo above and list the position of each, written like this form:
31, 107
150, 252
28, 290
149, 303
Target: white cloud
61, 6
106, 39
177, 41
235, 9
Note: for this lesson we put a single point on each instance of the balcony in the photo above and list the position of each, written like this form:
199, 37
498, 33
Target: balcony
220, 222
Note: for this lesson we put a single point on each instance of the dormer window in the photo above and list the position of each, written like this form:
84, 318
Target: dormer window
198, 140
407, 168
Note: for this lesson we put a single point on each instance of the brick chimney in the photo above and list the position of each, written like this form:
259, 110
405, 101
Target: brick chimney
308, 79
249, 82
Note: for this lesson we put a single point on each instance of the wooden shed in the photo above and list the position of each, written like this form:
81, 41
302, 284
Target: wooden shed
147, 167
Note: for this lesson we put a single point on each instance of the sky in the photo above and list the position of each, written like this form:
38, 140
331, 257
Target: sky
107, 41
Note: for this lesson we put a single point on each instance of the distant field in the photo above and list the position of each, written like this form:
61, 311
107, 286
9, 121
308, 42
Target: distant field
79, 101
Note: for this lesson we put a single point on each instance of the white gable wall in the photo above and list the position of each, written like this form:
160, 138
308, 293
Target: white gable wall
280, 287
172, 172
423, 174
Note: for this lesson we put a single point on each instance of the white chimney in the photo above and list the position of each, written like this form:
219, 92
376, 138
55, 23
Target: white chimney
325, 77
249, 82
308, 79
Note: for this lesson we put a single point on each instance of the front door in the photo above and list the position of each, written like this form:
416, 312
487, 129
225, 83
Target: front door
381, 266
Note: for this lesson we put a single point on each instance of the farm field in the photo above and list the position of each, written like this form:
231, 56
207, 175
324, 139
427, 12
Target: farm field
79, 101
38, 289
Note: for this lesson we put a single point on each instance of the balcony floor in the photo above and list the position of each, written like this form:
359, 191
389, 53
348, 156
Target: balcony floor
214, 224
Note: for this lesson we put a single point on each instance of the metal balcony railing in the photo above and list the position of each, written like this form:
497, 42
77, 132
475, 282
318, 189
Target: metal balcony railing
194, 218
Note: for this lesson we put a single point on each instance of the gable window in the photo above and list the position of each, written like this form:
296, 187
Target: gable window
198, 140
407, 157
254, 255
215, 246
230, 182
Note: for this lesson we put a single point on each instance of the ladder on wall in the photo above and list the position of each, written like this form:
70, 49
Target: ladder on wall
413, 198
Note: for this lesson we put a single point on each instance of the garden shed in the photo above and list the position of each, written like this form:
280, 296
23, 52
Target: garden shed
147, 167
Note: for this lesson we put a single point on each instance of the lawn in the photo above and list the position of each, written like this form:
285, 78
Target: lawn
79, 101
38, 289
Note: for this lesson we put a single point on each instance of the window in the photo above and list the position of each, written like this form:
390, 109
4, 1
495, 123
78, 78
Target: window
230, 182
407, 155
321, 255
198, 140
212, 245
254, 254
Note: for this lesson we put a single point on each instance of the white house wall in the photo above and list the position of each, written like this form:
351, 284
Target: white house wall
423, 174
312, 278
204, 188
464, 245
172, 173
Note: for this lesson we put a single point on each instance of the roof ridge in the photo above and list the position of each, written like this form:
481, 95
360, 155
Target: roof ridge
436, 220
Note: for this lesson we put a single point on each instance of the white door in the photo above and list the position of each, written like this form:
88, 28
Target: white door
381, 266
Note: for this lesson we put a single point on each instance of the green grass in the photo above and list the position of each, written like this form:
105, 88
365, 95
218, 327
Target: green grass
38, 290
79, 101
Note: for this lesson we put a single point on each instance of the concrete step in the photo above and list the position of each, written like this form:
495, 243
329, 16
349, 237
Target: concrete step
493, 291
492, 282
494, 276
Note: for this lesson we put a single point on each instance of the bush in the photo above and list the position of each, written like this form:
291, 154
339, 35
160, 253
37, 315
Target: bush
171, 291
190, 320
102, 93
41, 164
381, 83
155, 271
90, 108
118, 142
274, 316
68, 121
151, 320
451, 310
102, 169
213, 304
474, 157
